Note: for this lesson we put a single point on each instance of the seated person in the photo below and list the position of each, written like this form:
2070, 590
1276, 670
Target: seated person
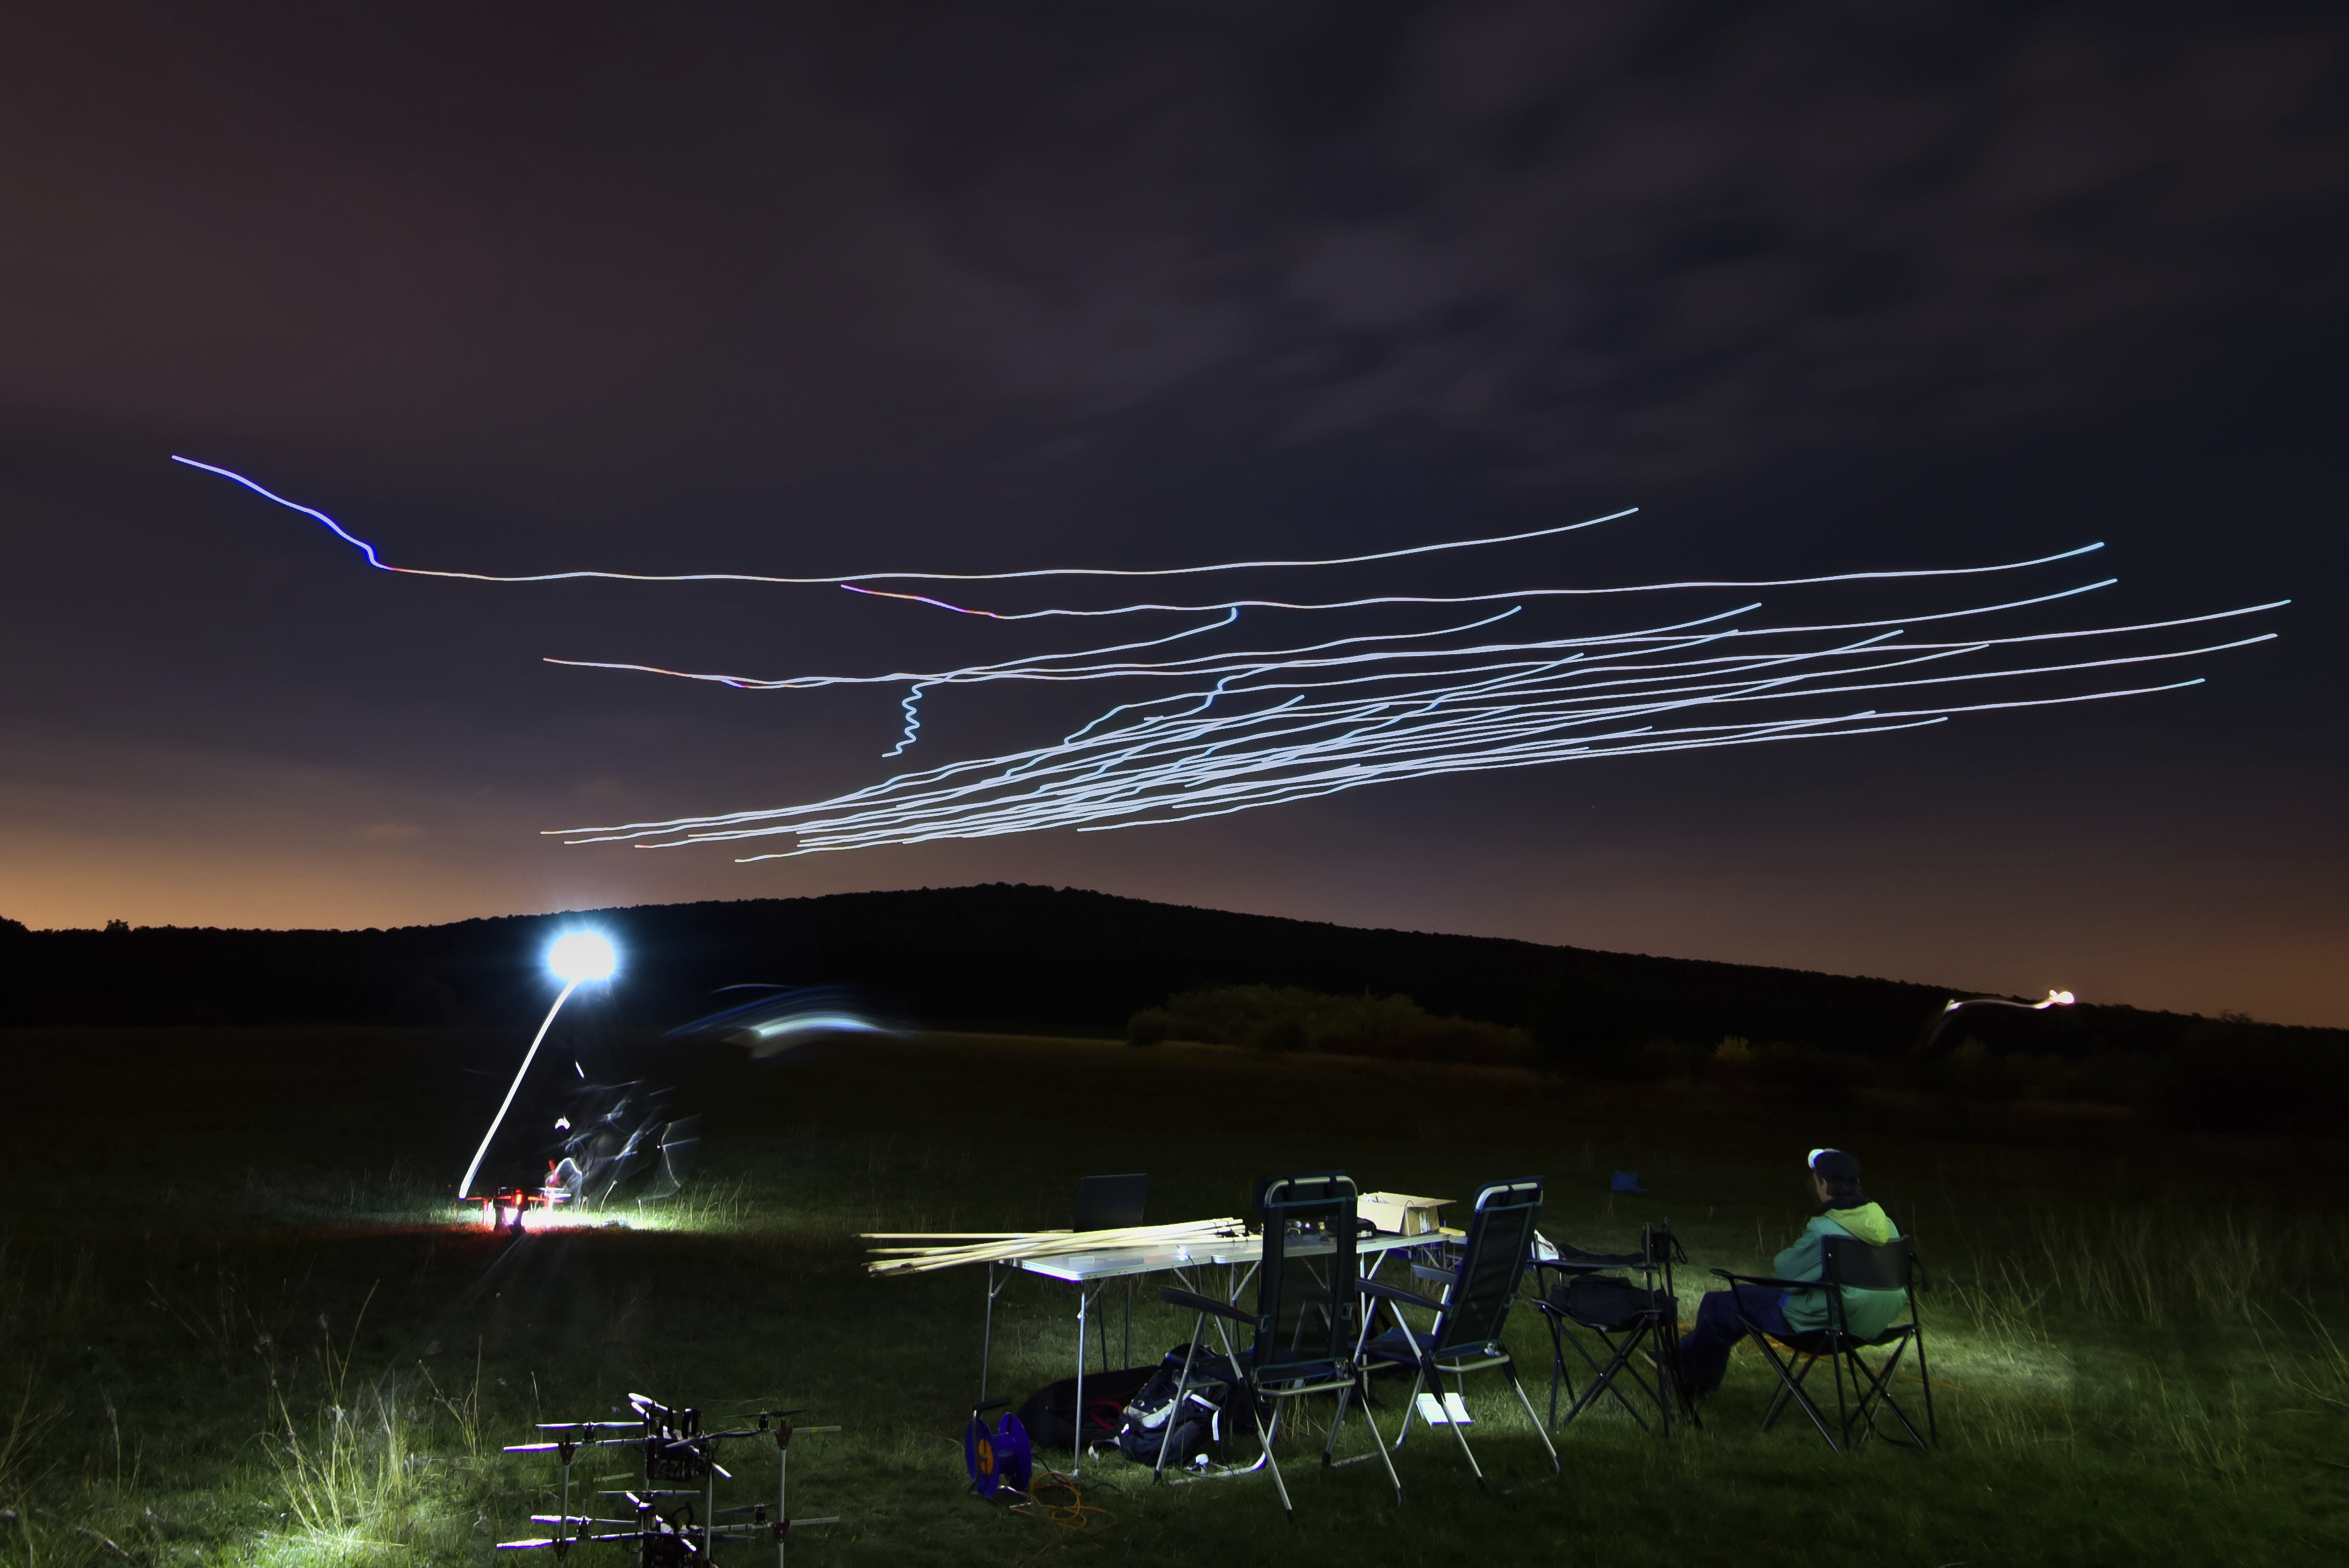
1834, 1179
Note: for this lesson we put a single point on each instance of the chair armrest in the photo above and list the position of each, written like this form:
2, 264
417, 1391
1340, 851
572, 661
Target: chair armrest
1197, 1303
1396, 1294
1434, 1275
1768, 1284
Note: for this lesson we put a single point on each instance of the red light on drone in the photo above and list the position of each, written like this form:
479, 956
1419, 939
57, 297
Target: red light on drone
504, 1210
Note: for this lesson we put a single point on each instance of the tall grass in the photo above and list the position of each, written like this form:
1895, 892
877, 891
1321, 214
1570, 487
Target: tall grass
342, 1457
281, 1395
2163, 1265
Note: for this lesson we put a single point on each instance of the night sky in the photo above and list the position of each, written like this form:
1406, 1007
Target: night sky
963, 287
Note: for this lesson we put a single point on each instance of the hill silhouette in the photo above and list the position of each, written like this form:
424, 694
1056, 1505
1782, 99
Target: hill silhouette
1006, 957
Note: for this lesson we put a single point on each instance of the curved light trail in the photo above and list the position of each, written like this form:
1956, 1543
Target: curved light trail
1294, 717
376, 560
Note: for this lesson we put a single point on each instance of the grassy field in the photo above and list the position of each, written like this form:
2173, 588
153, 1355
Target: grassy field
236, 1326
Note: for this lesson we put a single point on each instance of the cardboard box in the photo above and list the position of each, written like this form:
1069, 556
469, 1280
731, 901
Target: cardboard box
1400, 1213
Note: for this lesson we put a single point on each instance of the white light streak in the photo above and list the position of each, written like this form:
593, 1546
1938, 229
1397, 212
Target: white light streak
1392, 698
576, 958
1294, 723
465, 1187
376, 560
1386, 599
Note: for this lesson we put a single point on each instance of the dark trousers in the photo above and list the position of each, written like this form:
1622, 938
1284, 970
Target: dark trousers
1705, 1349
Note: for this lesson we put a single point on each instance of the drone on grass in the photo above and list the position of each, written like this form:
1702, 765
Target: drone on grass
671, 1515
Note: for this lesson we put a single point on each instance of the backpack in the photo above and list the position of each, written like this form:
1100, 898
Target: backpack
1050, 1415
1609, 1301
1200, 1429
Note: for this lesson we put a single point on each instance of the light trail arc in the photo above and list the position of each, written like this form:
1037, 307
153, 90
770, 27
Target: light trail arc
1390, 698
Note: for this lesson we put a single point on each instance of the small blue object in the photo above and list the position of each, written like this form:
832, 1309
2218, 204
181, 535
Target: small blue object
1000, 1460
1625, 1181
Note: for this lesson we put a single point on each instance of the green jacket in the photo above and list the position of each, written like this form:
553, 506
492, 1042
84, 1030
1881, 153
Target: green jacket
1869, 1313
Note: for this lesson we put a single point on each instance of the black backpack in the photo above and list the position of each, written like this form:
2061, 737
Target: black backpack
1050, 1415
1200, 1425
1607, 1301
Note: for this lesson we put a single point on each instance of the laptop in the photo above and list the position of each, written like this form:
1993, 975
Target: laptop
1112, 1202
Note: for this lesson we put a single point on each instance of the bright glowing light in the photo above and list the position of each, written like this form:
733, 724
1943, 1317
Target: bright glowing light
1288, 718
576, 958
2055, 999
581, 957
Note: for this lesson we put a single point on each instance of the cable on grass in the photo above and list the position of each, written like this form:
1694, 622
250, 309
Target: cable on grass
1075, 1513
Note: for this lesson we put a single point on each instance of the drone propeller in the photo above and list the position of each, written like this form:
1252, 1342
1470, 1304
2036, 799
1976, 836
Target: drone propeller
568, 1540
585, 1426
583, 1443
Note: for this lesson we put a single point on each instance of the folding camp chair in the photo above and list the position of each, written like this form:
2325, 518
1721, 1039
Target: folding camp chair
1469, 1317
1305, 1326
1594, 1295
1847, 1263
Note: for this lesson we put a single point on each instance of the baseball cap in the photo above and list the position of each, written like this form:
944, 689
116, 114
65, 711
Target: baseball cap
1835, 1165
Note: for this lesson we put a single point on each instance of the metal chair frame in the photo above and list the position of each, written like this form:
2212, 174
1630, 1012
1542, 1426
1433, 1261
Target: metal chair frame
1656, 1327
1470, 1315
1848, 1262
1280, 1366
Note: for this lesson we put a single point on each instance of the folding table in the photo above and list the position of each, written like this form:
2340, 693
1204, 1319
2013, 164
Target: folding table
1239, 1255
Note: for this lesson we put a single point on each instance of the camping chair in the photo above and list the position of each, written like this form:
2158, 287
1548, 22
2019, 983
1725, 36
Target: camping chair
1305, 1330
1594, 1295
1469, 1315
1847, 1263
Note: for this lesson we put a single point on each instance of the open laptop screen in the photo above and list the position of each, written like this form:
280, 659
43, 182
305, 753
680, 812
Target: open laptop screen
1112, 1202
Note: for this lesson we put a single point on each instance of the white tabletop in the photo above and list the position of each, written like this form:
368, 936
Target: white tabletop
1114, 1263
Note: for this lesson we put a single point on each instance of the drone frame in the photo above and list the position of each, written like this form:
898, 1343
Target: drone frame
675, 1448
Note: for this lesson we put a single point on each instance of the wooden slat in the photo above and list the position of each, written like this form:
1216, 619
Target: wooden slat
1043, 1244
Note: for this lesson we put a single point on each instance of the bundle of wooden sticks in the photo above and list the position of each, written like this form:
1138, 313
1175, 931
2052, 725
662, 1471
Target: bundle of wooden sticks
946, 1250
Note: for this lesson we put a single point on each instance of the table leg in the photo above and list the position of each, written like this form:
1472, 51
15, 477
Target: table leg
1085, 1298
1077, 1457
987, 1339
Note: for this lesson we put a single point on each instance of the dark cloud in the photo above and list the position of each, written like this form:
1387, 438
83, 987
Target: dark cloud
1593, 239
1625, 237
